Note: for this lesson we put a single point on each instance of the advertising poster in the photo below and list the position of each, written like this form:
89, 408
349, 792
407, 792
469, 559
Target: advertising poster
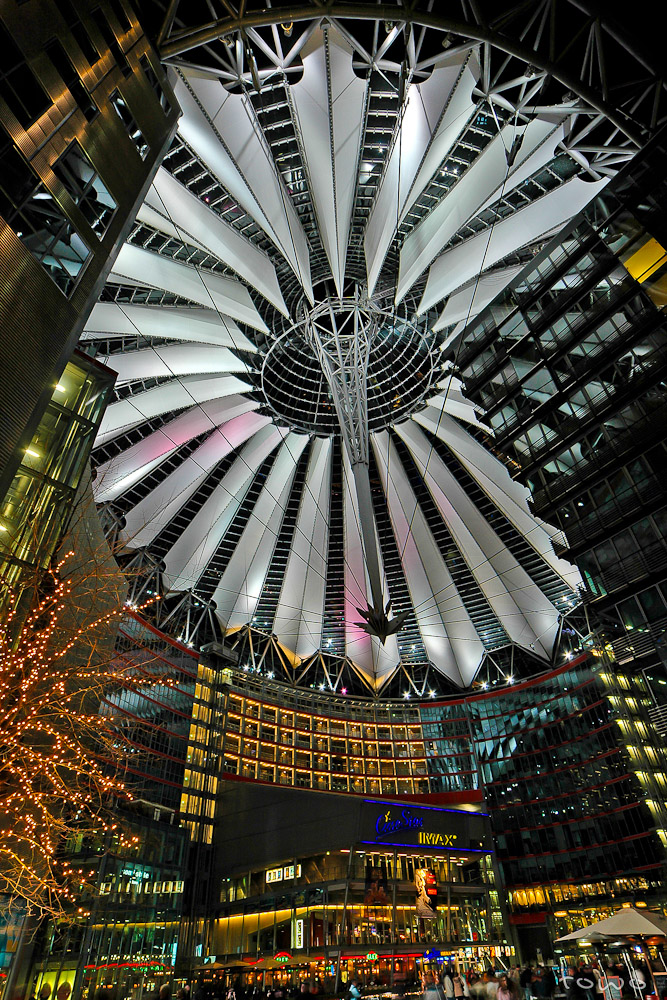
376, 889
426, 889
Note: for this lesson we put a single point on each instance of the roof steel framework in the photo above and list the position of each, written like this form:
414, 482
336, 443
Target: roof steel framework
331, 154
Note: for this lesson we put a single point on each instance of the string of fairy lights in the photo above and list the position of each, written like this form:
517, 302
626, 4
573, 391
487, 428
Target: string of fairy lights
58, 776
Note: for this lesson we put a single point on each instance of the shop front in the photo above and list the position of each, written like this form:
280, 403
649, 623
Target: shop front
412, 887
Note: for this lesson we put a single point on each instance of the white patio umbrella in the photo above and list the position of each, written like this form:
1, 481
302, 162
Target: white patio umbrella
627, 922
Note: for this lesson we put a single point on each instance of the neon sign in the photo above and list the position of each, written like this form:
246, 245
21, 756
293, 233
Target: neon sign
371, 956
386, 823
436, 839
282, 957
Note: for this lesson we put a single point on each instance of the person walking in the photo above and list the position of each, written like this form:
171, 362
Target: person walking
491, 984
526, 982
549, 983
431, 987
537, 985
582, 985
460, 986
599, 981
352, 990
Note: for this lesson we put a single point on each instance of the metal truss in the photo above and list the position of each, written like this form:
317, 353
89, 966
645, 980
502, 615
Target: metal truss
341, 332
260, 653
568, 41
144, 576
192, 620
113, 523
189, 618
532, 57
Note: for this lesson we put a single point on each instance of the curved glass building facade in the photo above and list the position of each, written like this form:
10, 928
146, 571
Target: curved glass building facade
536, 807
382, 463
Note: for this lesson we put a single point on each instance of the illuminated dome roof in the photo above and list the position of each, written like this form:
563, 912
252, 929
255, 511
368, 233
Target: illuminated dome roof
289, 445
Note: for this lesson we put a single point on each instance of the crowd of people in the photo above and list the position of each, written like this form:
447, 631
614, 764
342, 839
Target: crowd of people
585, 981
515, 984
303, 990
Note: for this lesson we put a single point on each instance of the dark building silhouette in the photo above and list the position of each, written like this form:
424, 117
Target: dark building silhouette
86, 113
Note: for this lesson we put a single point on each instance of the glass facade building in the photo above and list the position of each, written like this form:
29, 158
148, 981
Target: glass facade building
41, 496
85, 113
258, 804
567, 765
568, 364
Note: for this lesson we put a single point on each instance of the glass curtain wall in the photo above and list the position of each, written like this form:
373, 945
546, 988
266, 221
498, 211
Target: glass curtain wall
354, 898
41, 495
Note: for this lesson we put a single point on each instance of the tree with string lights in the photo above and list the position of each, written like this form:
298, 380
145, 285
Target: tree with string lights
62, 756
59, 757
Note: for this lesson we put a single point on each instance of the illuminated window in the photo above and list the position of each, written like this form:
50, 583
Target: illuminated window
82, 183
129, 122
31, 210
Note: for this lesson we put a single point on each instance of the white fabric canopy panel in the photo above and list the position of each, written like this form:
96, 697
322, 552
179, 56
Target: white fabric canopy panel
173, 360
241, 583
188, 323
242, 160
329, 102
488, 178
188, 558
467, 302
344, 188
508, 495
300, 614
377, 660
450, 637
459, 265
176, 394
226, 295
117, 474
154, 512
194, 222
436, 112
528, 617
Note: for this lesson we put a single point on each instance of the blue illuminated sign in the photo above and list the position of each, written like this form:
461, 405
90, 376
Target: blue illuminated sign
387, 823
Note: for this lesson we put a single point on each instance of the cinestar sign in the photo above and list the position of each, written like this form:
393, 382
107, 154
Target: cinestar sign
395, 822
389, 822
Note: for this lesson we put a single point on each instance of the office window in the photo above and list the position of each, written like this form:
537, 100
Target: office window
121, 15
154, 82
130, 123
85, 188
30, 209
73, 22
112, 42
19, 87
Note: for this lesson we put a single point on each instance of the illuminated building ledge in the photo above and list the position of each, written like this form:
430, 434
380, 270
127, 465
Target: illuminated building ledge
272, 733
